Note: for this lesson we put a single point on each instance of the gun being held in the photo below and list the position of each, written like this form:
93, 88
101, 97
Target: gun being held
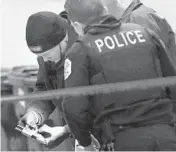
31, 133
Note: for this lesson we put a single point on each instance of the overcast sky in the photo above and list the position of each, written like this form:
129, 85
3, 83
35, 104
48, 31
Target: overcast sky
16, 12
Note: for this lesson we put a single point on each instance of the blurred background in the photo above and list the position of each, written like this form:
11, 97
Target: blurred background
19, 65
16, 12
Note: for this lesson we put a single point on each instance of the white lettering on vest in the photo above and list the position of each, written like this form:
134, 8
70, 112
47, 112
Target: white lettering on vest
99, 44
139, 36
117, 42
134, 41
123, 36
120, 40
110, 46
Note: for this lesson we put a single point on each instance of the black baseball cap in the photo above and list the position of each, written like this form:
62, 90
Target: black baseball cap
44, 31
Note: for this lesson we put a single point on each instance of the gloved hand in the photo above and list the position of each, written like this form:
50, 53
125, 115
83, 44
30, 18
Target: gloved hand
95, 146
31, 118
95, 143
89, 148
56, 135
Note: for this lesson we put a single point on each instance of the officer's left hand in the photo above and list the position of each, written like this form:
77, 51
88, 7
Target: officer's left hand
95, 146
89, 148
95, 143
57, 135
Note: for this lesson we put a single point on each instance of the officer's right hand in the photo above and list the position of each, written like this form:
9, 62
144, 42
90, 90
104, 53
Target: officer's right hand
56, 135
28, 119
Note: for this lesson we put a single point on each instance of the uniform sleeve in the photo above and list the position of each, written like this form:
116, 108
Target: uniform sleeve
166, 34
160, 25
44, 107
172, 44
166, 63
144, 20
76, 108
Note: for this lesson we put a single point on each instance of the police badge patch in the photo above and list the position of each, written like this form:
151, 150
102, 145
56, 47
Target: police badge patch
67, 68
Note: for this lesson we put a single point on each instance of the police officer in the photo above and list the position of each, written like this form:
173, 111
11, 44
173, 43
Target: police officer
140, 14
112, 52
49, 36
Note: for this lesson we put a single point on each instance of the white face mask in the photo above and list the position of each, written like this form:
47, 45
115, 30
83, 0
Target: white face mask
55, 53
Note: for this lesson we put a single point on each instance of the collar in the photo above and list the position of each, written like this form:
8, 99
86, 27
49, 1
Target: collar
102, 24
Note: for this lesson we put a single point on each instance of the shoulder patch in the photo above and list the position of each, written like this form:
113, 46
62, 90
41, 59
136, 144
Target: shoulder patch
67, 68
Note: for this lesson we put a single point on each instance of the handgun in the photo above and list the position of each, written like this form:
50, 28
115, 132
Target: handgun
31, 133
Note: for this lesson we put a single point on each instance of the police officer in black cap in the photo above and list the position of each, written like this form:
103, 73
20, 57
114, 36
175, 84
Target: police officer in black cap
49, 36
